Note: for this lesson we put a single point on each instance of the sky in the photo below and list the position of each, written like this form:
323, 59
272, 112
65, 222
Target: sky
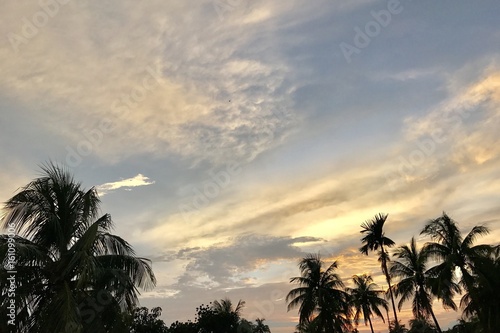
229, 138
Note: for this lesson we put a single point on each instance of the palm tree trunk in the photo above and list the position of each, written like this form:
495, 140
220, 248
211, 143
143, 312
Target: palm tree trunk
388, 278
371, 326
388, 317
435, 321
396, 321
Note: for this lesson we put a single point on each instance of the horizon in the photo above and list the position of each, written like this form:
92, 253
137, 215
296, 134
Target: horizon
228, 139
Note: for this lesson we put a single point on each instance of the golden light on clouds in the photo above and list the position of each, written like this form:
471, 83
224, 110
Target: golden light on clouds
174, 92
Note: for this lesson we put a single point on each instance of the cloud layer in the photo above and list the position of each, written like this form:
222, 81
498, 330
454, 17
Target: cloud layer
248, 114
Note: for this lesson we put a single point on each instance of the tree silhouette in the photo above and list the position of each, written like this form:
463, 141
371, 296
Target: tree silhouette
260, 327
321, 298
486, 289
73, 275
374, 239
457, 252
219, 316
410, 267
366, 300
147, 321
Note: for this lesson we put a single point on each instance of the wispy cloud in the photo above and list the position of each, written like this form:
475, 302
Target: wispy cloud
128, 184
410, 130
211, 98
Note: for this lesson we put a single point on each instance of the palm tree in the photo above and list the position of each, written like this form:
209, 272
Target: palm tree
455, 252
72, 273
245, 326
375, 240
321, 298
420, 325
260, 327
486, 289
466, 326
410, 267
226, 306
226, 316
366, 299
305, 327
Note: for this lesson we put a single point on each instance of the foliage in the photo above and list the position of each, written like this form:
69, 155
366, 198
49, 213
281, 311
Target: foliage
245, 326
466, 326
482, 300
374, 239
306, 327
145, 321
411, 268
219, 316
260, 327
475, 263
397, 328
73, 275
323, 303
366, 299
183, 327
421, 325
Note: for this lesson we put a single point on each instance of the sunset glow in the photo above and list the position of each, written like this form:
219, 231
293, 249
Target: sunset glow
229, 141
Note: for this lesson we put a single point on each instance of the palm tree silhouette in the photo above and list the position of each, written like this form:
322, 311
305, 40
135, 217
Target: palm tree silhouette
321, 298
415, 281
486, 289
374, 239
226, 317
225, 306
366, 300
72, 273
260, 327
456, 252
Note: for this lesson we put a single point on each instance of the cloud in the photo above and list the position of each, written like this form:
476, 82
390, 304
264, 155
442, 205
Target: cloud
208, 96
128, 184
228, 264
321, 144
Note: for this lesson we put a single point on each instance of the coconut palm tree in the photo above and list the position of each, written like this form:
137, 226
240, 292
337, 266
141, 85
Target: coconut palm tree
73, 275
321, 298
374, 239
486, 289
226, 306
305, 327
366, 300
421, 325
411, 268
260, 327
222, 316
454, 252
